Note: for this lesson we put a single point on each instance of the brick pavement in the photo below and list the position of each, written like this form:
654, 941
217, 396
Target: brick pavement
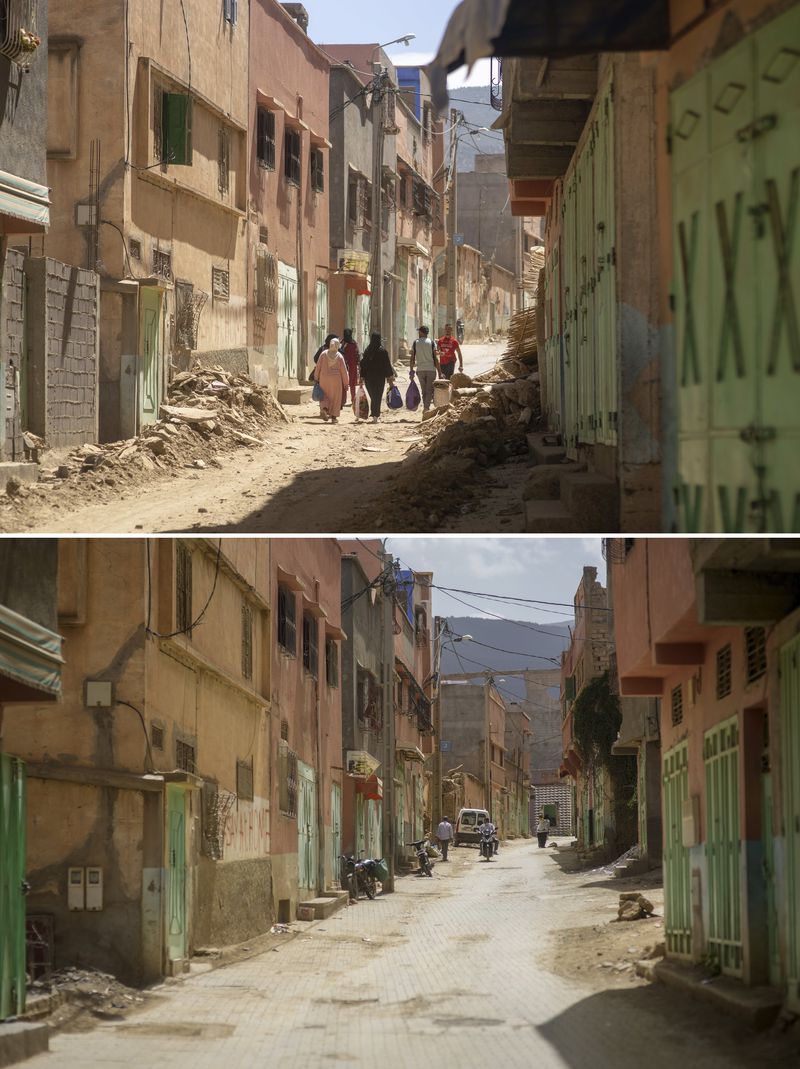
446, 972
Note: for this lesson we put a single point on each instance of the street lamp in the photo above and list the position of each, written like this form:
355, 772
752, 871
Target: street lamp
376, 254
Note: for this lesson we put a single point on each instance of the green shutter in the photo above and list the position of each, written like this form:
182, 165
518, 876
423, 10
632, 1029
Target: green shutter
569, 688
178, 128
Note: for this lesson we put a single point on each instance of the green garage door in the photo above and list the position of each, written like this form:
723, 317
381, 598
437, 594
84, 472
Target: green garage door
677, 887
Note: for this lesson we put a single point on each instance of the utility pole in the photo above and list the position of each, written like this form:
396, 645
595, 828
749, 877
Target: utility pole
387, 684
487, 751
451, 250
436, 709
376, 250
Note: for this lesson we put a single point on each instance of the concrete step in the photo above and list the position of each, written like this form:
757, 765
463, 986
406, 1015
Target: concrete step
295, 395
593, 500
549, 517
324, 906
634, 866
546, 448
544, 480
22, 1039
757, 1007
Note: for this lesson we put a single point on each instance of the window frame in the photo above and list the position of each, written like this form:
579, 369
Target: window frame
331, 662
293, 160
287, 620
311, 644
266, 140
230, 11
317, 165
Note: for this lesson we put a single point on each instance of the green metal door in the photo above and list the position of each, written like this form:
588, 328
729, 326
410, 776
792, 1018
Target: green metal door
150, 363
287, 321
12, 886
571, 328
336, 831
307, 838
768, 839
176, 873
361, 827
723, 845
677, 885
322, 312
374, 828
790, 783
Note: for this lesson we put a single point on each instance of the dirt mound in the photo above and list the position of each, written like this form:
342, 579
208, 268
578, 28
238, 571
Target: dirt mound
81, 997
208, 411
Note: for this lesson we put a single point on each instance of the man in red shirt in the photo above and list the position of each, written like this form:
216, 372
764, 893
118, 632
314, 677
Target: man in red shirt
448, 350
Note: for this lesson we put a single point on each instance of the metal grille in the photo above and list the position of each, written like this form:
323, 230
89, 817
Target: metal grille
216, 805
156, 737
331, 662
287, 628
310, 649
266, 281
288, 782
291, 154
317, 170
247, 641
189, 307
162, 263
158, 124
220, 283
285, 730
370, 713
183, 589
724, 671
756, 647
244, 779
184, 756
677, 705
223, 160
134, 249
265, 147
18, 38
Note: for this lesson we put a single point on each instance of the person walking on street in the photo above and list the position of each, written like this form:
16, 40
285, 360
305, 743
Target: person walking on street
444, 833
323, 347
351, 358
331, 374
542, 830
376, 371
449, 349
426, 362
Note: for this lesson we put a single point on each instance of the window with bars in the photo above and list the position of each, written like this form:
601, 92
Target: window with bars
156, 737
724, 658
220, 284
244, 780
265, 138
331, 662
173, 129
292, 155
183, 589
247, 640
162, 263
266, 280
755, 639
404, 186
184, 756
223, 159
421, 198
317, 170
285, 730
310, 650
677, 705
287, 789
287, 627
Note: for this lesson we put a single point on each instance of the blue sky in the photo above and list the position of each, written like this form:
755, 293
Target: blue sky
543, 568
350, 21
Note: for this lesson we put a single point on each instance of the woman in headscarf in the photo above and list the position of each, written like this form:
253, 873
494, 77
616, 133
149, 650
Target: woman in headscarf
331, 374
351, 357
376, 371
323, 347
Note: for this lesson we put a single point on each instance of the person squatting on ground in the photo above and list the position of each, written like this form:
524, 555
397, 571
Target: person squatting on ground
351, 358
448, 350
426, 362
444, 833
376, 371
542, 830
331, 374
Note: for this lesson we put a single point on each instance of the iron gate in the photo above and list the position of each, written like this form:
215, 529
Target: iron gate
677, 886
12, 886
723, 845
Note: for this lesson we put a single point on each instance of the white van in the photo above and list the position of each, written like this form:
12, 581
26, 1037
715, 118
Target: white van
467, 826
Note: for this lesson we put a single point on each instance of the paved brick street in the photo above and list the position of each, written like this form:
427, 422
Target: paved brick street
449, 971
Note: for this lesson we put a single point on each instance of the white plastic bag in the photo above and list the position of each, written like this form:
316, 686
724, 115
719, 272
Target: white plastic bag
361, 403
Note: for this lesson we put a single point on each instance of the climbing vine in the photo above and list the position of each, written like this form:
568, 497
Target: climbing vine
596, 719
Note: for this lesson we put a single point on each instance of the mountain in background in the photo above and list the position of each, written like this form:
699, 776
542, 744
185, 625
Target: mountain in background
473, 102
519, 646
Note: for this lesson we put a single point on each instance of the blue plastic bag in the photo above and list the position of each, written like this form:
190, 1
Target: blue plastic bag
317, 394
413, 397
393, 398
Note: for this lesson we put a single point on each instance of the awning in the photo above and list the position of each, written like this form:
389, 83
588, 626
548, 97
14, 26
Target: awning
30, 659
361, 764
411, 753
335, 632
25, 204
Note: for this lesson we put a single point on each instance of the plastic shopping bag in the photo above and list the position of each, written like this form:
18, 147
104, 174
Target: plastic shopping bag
317, 394
393, 398
412, 395
361, 404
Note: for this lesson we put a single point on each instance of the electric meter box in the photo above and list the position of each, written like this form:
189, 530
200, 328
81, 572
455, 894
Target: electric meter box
99, 693
75, 889
94, 888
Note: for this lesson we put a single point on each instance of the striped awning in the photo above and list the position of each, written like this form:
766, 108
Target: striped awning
30, 659
23, 200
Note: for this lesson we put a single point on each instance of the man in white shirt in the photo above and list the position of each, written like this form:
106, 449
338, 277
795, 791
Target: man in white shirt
444, 833
425, 360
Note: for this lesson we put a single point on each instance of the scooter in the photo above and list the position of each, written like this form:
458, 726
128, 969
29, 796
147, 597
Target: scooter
486, 845
424, 862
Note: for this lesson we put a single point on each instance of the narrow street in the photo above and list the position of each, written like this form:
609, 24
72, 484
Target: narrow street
461, 970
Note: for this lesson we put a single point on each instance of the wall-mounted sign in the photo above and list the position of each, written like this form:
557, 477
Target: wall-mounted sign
361, 764
445, 745
458, 239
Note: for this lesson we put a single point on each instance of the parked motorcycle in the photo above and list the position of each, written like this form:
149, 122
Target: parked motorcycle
424, 862
362, 875
460, 331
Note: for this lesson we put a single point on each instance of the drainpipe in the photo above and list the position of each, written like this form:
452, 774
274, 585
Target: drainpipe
387, 634
320, 773
302, 302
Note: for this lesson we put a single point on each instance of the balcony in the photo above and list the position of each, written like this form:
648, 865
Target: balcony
744, 581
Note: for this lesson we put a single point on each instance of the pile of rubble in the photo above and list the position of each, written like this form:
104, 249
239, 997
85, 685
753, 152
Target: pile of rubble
208, 411
633, 906
78, 996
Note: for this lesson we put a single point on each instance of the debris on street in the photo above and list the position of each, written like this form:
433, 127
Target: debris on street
633, 906
81, 997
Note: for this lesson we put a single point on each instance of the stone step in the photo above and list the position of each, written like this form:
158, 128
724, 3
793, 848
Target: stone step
295, 395
593, 500
546, 448
634, 866
325, 905
549, 517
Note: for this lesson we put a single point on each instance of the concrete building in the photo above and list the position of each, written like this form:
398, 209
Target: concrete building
147, 150
709, 630
548, 790
30, 675
306, 741
288, 195
518, 773
158, 757
485, 218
